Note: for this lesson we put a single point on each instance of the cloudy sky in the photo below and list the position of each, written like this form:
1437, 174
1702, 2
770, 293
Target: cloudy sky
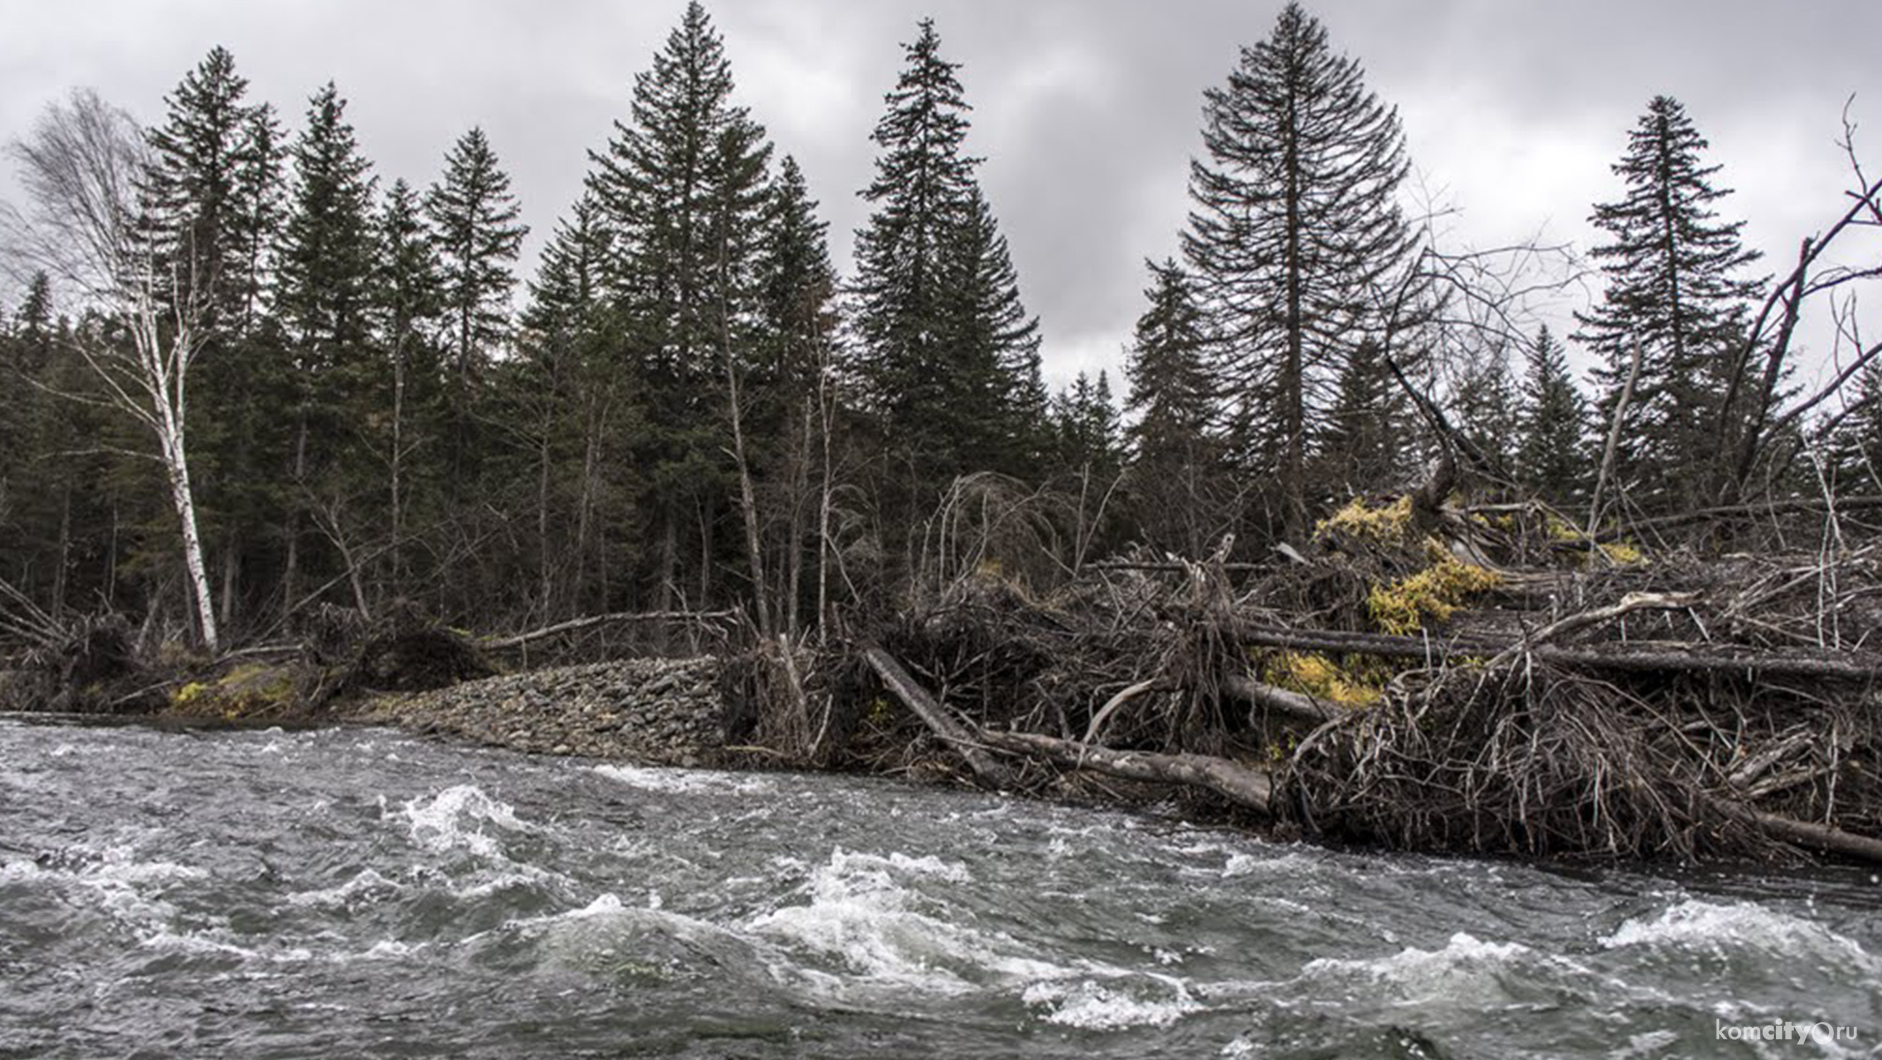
1087, 111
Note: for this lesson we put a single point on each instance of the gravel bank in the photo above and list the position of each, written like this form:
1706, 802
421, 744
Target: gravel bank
658, 711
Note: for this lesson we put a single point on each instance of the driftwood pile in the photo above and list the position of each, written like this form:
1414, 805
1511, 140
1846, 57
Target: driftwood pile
1418, 677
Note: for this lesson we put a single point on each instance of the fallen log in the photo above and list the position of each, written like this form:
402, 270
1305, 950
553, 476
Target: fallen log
936, 717
1295, 705
1233, 781
1818, 837
1639, 657
592, 621
1755, 510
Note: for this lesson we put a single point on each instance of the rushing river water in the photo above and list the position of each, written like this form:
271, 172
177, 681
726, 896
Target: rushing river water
356, 892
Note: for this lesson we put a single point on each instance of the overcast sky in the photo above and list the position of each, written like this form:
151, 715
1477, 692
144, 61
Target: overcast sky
1087, 111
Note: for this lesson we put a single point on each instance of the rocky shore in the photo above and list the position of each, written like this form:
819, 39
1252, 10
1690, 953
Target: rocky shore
657, 711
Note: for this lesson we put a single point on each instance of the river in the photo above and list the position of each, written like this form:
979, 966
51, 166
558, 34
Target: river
356, 892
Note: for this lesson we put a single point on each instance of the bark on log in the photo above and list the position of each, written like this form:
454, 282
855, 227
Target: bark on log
1738, 511
1233, 781
1820, 837
1641, 657
1281, 701
936, 717
575, 624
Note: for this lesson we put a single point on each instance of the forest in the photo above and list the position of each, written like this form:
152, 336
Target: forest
1350, 543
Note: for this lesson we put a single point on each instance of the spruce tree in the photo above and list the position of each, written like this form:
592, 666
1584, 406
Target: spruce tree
477, 237
1294, 232
1484, 408
946, 354
682, 189
1171, 392
1361, 436
196, 189
995, 402
1675, 285
324, 296
796, 283
1174, 456
1552, 424
326, 256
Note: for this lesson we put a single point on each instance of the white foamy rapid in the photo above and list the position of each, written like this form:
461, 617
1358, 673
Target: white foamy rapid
1699, 925
1465, 968
870, 914
676, 781
1092, 1006
456, 818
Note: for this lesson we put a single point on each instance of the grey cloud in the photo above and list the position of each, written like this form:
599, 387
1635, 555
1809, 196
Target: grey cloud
1087, 110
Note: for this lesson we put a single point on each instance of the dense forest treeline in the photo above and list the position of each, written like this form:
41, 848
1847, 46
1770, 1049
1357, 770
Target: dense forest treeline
246, 376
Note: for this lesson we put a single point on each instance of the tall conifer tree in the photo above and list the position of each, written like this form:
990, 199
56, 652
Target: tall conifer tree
1675, 285
1295, 235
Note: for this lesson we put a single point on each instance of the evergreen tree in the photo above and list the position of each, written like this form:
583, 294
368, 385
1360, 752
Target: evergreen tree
1551, 454
326, 256
408, 296
196, 194
477, 237
1675, 286
997, 410
1295, 231
1171, 392
1085, 422
947, 355
682, 190
324, 296
1855, 443
1360, 447
1174, 455
796, 283
1485, 408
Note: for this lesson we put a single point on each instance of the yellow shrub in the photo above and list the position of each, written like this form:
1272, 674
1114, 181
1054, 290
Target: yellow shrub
188, 694
1434, 593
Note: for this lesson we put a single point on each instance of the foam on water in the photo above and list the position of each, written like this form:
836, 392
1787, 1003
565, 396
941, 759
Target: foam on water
1465, 968
1089, 1005
866, 911
1696, 924
675, 781
455, 818
365, 886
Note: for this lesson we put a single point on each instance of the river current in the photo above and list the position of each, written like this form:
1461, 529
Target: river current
357, 892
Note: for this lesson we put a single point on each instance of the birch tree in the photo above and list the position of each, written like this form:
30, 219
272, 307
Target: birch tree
82, 167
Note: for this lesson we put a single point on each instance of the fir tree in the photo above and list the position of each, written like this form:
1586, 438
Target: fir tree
1674, 285
996, 410
196, 190
323, 295
1171, 393
326, 256
923, 181
947, 355
796, 282
682, 189
1295, 230
477, 237
1085, 422
1360, 440
1551, 453
1485, 406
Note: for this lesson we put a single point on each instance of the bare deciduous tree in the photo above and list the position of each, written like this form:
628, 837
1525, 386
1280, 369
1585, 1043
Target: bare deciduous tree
82, 167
